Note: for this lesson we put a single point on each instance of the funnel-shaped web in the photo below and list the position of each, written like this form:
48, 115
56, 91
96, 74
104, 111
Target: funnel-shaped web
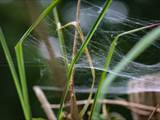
145, 71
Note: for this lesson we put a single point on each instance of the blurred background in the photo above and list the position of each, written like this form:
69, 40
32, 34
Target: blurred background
15, 20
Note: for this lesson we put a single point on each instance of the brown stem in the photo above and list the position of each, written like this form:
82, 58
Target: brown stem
115, 102
74, 107
45, 104
153, 112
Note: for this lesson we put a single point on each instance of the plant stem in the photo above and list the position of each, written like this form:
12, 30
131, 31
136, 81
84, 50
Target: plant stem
44, 102
61, 37
74, 108
81, 50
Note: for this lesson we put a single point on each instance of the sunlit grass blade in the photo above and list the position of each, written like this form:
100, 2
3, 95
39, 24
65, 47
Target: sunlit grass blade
14, 74
108, 61
145, 42
81, 50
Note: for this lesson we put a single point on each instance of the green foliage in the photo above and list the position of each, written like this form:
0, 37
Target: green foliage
96, 105
20, 83
144, 43
81, 50
20, 76
14, 74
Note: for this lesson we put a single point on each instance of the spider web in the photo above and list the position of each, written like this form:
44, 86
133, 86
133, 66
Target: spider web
144, 70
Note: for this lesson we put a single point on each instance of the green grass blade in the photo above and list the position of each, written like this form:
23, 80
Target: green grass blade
107, 63
145, 42
22, 75
39, 19
61, 37
19, 53
81, 50
14, 73
89, 36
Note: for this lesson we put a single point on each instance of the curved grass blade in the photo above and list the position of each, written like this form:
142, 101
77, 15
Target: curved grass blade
108, 60
19, 53
132, 54
81, 50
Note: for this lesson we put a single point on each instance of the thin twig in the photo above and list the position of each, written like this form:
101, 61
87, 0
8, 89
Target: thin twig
44, 102
105, 112
113, 102
140, 111
89, 58
153, 112
73, 107
76, 24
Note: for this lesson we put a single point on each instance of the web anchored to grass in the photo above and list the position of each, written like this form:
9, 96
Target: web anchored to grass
106, 58
98, 48
20, 82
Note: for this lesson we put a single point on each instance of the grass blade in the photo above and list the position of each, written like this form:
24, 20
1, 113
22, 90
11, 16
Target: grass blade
14, 73
81, 50
132, 54
108, 60
90, 35
22, 75
61, 37
90, 62
19, 53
